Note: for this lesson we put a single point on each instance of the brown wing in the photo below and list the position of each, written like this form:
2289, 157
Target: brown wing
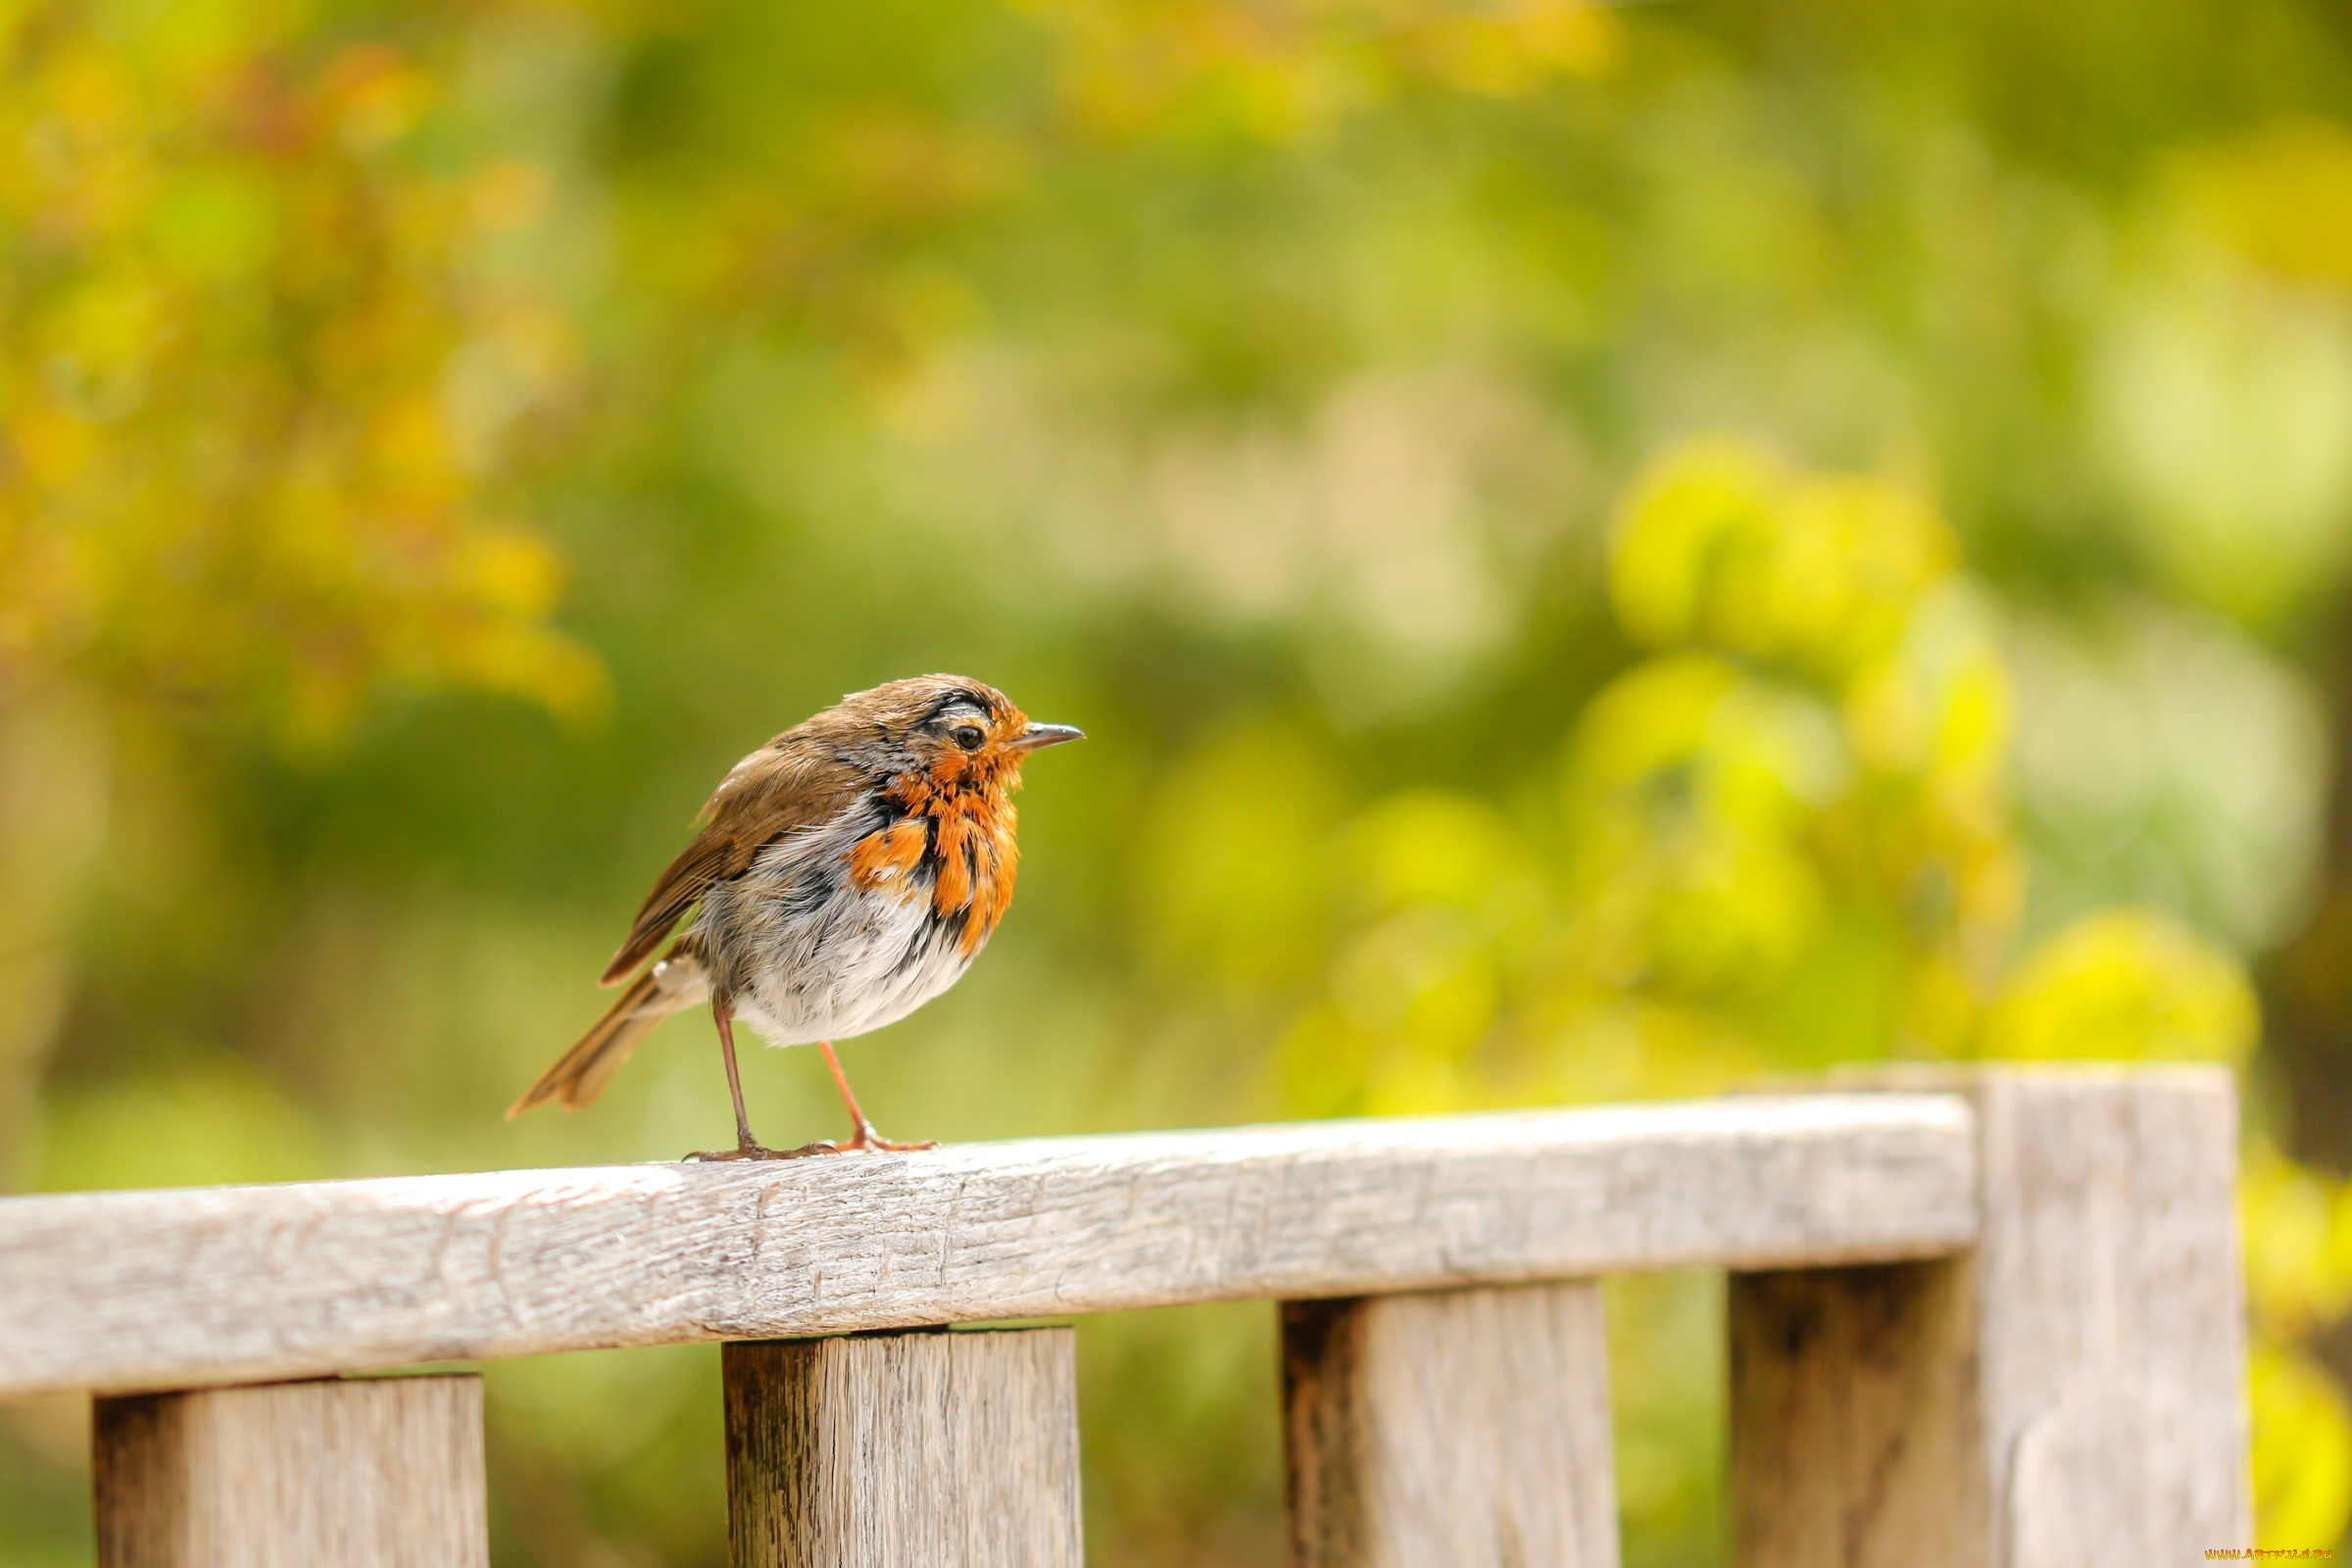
796, 780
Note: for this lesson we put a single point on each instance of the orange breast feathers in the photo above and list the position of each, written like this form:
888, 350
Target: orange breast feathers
887, 855
977, 857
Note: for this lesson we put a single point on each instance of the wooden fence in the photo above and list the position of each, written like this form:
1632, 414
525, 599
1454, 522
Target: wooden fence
1992, 1321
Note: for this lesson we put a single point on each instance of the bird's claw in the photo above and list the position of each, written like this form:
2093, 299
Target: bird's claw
759, 1151
866, 1137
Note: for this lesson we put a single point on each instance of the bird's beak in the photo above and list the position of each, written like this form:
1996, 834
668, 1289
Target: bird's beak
1037, 736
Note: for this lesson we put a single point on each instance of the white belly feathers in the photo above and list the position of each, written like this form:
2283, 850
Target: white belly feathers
805, 955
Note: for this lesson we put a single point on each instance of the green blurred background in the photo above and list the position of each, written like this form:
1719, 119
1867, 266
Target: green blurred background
1604, 553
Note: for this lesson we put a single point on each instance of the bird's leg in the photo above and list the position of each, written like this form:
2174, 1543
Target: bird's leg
746, 1146
724, 1017
866, 1137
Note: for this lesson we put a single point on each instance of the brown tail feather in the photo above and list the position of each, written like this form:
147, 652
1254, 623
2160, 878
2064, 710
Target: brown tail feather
580, 1074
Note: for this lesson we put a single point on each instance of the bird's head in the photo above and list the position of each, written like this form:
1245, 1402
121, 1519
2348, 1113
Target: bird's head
954, 733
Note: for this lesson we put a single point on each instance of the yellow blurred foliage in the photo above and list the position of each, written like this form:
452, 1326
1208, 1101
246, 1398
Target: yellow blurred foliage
2280, 196
1722, 547
1781, 841
1289, 68
2298, 1238
236, 474
1797, 811
1688, 790
2302, 1452
2298, 1226
2126, 985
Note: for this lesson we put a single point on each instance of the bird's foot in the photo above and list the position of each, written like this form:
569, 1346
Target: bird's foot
759, 1151
867, 1137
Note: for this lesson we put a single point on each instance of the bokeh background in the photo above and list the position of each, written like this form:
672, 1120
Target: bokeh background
1605, 551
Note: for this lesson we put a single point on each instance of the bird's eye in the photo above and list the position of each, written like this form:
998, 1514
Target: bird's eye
968, 736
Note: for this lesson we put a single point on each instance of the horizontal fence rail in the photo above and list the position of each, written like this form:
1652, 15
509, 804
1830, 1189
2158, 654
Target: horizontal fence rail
181, 1289
1989, 1317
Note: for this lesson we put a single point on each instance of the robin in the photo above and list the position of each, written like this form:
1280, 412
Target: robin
845, 873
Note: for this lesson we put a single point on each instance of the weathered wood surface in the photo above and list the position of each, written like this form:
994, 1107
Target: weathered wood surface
904, 1451
1450, 1429
172, 1289
2070, 1395
371, 1473
1854, 1442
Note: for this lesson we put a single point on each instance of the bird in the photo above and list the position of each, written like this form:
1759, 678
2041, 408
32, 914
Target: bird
843, 874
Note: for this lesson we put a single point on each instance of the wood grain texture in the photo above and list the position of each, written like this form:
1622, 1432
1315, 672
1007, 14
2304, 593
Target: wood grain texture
1450, 1429
2085, 1363
371, 1473
904, 1451
172, 1289
1854, 1434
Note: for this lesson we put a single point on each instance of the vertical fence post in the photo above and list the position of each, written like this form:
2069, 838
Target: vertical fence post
904, 1450
369, 1473
2070, 1395
1452, 1429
